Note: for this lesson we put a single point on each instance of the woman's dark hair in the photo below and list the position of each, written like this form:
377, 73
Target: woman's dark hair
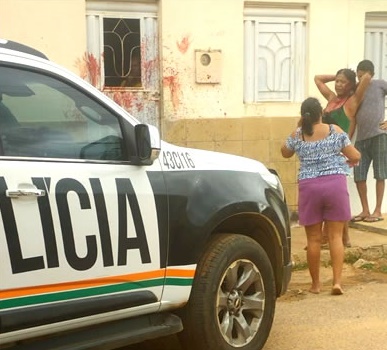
349, 74
311, 111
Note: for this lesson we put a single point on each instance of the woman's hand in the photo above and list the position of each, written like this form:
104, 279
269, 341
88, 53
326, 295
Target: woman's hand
352, 164
383, 125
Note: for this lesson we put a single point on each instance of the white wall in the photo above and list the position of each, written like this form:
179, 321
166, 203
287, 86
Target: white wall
354, 197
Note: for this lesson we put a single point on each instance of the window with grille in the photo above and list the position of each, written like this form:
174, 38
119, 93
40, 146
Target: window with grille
121, 39
122, 52
274, 53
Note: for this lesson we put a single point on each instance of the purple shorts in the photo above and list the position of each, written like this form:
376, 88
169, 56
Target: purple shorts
323, 198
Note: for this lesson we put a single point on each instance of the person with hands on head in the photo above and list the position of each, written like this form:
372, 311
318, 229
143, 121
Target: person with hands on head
344, 102
323, 151
341, 109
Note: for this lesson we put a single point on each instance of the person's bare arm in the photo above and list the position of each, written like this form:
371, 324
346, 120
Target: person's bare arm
353, 103
352, 127
321, 83
286, 152
352, 154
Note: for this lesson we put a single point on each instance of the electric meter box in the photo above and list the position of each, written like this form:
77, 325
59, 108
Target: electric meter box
208, 66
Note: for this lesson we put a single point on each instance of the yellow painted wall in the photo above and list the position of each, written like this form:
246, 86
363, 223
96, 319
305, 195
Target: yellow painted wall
206, 25
55, 27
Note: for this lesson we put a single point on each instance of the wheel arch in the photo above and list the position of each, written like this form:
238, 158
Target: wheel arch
214, 301
264, 232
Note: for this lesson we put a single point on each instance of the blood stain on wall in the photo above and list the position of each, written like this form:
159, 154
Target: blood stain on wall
123, 98
184, 44
89, 68
172, 82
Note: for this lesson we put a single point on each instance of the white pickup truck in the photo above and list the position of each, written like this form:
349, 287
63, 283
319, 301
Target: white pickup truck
110, 236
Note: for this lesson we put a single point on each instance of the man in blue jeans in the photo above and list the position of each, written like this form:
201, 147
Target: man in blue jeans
371, 141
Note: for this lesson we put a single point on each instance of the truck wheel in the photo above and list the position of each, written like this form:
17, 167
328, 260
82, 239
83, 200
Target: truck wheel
233, 297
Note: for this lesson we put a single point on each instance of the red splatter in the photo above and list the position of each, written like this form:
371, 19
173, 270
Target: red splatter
139, 106
148, 66
183, 45
89, 68
172, 82
127, 99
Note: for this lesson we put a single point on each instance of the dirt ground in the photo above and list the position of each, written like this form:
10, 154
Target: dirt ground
353, 321
300, 282
304, 321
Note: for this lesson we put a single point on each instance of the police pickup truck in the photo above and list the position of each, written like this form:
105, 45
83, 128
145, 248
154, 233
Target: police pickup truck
110, 236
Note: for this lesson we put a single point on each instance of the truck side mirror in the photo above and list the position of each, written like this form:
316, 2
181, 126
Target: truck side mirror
148, 143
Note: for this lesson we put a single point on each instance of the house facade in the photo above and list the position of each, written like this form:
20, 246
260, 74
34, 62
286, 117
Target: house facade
224, 75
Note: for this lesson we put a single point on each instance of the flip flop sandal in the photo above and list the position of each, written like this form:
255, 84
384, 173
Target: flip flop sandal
373, 219
358, 218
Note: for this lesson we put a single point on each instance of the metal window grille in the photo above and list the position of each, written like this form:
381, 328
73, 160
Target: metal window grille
122, 52
122, 39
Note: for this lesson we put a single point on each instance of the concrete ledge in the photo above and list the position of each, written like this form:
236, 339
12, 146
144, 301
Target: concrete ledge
368, 227
379, 227
372, 253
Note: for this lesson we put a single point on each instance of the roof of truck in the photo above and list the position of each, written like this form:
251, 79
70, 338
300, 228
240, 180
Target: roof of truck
15, 46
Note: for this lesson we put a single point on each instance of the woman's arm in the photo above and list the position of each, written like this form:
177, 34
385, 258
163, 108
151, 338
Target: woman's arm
286, 152
352, 154
321, 83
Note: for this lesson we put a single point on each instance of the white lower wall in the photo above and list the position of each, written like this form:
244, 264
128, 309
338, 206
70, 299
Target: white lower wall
354, 196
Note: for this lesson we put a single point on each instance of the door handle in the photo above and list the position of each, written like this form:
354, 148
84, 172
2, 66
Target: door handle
22, 193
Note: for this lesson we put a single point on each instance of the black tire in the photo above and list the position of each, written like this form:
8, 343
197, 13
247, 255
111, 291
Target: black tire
223, 313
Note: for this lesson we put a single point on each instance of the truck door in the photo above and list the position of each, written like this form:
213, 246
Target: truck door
78, 221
